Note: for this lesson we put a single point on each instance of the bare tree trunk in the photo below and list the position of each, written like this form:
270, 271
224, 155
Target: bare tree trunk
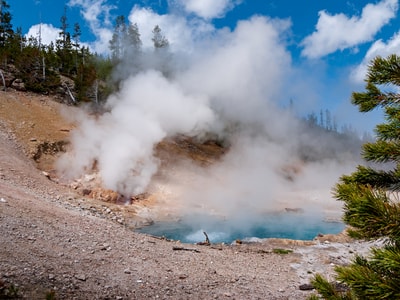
4, 81
44, 68
70, 94
96, 91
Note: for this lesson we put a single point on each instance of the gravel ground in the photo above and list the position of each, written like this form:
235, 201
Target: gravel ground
54, 242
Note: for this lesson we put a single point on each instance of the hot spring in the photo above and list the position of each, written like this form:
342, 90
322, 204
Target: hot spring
288, 225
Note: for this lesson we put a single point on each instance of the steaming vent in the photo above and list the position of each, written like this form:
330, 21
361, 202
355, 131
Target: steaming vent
176, 206
204, 136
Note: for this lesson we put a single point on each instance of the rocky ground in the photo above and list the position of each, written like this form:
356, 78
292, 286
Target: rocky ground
56, 243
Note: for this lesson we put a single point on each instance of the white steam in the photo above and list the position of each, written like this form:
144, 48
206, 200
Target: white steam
232, 82
121, 142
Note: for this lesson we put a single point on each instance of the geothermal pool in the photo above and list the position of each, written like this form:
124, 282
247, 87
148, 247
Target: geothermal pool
297, 226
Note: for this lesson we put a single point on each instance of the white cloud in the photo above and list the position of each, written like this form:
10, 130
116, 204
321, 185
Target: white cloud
379, 48
180, 32
97, 14
48, 33
207, 9
338, 32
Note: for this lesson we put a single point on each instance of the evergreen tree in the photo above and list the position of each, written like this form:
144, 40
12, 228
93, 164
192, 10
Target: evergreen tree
117, 40
159, 41
134, 43
85, 80
312, 119
64, 26
6, 32
76, 37
370, 195
64, 47
5, 23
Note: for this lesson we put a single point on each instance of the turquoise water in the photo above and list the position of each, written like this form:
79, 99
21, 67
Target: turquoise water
286, 225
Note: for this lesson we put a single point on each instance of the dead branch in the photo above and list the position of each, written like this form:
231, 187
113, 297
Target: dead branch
70, 93
206, 242
185, 249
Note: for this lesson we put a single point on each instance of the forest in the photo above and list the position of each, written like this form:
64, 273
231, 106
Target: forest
66, 66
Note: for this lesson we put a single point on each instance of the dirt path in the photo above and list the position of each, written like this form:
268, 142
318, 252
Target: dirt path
53, 240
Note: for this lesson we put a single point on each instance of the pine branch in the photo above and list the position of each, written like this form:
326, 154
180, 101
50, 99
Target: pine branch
389, 180
369, 100
385, 70
387, 262
373, 279
371, 213
381, 151
327, 289
388, 132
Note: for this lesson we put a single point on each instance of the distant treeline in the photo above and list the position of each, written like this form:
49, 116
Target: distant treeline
67, 64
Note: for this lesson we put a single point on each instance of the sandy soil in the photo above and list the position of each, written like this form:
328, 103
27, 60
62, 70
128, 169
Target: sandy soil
54, 241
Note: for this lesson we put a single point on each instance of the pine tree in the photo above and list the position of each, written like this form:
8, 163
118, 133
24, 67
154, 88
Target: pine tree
64, 46
76, 37
370, 195
117, 40
133, 38
159, 41
5, 23
6, 32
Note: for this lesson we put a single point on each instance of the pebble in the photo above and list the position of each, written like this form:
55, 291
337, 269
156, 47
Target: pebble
2, 200
81, 277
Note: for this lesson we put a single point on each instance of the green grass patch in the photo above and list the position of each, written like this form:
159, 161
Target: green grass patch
282, 251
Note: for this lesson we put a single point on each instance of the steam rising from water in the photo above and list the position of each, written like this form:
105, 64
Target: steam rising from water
231, 87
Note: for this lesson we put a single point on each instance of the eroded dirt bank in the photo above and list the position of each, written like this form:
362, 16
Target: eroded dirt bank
54, 240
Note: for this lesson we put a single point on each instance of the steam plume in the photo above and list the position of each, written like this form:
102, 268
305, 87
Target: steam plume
232, 83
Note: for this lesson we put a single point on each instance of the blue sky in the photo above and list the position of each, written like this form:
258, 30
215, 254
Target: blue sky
327, 43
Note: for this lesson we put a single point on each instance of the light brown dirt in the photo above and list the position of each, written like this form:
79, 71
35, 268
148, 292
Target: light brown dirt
54, 240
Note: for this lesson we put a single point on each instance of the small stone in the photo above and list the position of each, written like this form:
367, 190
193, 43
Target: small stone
46, 174
2, 200
127, 271
51, 276
80, 277
306, 287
